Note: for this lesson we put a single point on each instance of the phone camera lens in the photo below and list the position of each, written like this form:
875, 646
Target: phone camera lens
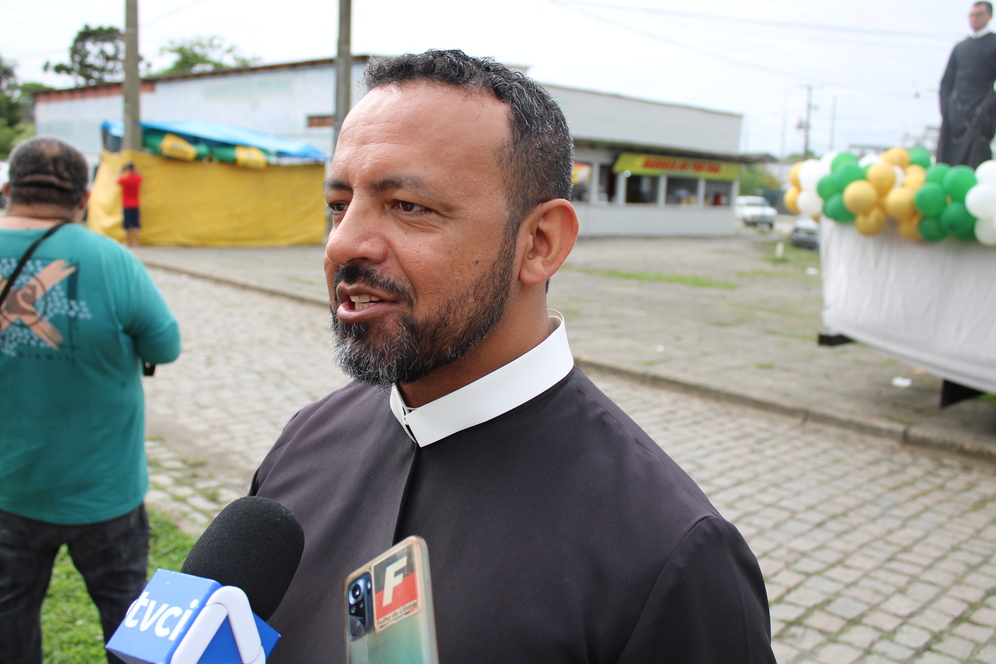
355, 593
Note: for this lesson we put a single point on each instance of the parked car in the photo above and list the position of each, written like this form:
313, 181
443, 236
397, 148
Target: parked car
805, 233
755, 211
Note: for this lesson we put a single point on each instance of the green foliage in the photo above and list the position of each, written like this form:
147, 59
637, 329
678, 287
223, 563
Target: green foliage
202, 54
754, 178
96, 56
70, 624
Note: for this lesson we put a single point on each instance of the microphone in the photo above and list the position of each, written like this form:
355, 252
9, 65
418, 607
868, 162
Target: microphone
213, 612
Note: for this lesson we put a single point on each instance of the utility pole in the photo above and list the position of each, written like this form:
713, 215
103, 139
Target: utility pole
805, 126
343, 69
132, 87
833, 119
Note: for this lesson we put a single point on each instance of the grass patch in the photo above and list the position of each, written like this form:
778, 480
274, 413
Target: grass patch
790, 254
70, 624
685, 279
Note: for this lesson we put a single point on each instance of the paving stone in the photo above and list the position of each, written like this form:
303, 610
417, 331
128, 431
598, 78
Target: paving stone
825, 622
956, 647
846, 608
859, 636
912, 637
892, 650
837, 653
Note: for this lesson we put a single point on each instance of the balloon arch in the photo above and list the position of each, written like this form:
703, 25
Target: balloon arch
928, 201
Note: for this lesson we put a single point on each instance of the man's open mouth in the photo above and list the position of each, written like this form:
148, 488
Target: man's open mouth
361, 302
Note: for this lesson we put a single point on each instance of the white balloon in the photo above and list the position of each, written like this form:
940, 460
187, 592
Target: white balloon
869, 159
986, 172
981, 200
900, 176
809, 174
827, 160
809, 202
985, 231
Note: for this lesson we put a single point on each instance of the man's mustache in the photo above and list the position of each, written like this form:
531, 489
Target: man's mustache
365, 275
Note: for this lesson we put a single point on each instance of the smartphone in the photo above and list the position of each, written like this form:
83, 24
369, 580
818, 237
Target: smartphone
389, 617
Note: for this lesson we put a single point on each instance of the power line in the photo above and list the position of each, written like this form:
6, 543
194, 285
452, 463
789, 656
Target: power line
568, 4
946, 38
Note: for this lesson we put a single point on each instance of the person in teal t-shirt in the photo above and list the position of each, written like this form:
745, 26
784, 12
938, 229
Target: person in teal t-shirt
75, 328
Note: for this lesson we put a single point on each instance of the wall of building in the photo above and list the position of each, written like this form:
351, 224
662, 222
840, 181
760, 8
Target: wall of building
274, 100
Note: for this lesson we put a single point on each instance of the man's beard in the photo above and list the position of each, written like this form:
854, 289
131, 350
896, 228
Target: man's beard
421, 347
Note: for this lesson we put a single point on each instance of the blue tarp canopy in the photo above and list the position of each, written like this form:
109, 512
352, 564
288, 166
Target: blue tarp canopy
226, 134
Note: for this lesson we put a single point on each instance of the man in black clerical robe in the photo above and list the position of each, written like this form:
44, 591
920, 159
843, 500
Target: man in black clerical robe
557, 530
968, 103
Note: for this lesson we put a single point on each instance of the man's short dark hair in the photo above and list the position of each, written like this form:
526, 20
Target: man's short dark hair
538, 160
46, 170
987, 5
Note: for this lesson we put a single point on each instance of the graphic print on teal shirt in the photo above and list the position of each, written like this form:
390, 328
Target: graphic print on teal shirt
38, 317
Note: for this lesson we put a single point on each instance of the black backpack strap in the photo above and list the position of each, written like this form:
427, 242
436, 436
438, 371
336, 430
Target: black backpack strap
24, 259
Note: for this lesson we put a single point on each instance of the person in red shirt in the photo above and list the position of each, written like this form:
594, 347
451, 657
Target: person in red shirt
130, 182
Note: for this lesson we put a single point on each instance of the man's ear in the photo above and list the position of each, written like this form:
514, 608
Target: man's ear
6, 189
78, 212
546, 236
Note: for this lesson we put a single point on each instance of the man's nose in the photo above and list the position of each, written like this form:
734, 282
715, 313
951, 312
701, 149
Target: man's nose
358, 237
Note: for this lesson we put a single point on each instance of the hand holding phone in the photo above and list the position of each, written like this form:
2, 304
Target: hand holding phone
389, 618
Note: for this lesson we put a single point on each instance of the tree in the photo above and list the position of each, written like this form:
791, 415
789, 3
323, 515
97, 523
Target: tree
755, 178
28, 94
202, 54
13, 129
96, 56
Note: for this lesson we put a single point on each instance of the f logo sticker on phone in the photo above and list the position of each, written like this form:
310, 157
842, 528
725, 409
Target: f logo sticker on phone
395, 588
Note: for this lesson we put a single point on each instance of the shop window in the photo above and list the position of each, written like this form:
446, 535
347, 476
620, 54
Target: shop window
682, 191
718, 192
642, 188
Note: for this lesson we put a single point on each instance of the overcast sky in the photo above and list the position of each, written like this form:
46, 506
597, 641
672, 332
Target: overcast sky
877, 63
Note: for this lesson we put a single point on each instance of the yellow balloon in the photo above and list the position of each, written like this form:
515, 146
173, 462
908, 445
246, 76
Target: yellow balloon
794, 175
910, 230
791, 200
916, 175
899, 203
897, 156
870, 224
860, 197
882, 176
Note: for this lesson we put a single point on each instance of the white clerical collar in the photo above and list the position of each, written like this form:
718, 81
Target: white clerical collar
503, 389
981, 33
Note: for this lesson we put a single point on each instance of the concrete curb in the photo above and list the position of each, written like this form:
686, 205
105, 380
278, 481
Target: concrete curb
904, 434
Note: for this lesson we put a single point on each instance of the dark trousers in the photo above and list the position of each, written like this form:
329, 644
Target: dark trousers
111, 556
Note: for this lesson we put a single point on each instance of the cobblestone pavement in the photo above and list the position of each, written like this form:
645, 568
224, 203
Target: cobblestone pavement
872, 552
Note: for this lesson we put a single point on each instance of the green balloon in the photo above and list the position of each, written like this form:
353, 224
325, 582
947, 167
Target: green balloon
847, 174
931, 229
967, 235
958, 181
957, 220
920, 156
835, 209
841, 160
827, 187
930, 199
937, 173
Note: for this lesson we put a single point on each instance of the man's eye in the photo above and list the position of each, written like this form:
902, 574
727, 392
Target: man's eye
406, 206
338, 207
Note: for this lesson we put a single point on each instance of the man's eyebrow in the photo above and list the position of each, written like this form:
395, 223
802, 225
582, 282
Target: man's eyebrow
335, 185
406, 182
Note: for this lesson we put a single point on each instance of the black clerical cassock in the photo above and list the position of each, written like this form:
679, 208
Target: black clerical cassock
557, 532
968, 103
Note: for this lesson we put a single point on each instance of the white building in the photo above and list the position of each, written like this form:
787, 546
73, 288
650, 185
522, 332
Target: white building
642, 167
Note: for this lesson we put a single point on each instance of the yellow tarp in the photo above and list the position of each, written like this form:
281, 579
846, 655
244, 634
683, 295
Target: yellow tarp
212, 204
